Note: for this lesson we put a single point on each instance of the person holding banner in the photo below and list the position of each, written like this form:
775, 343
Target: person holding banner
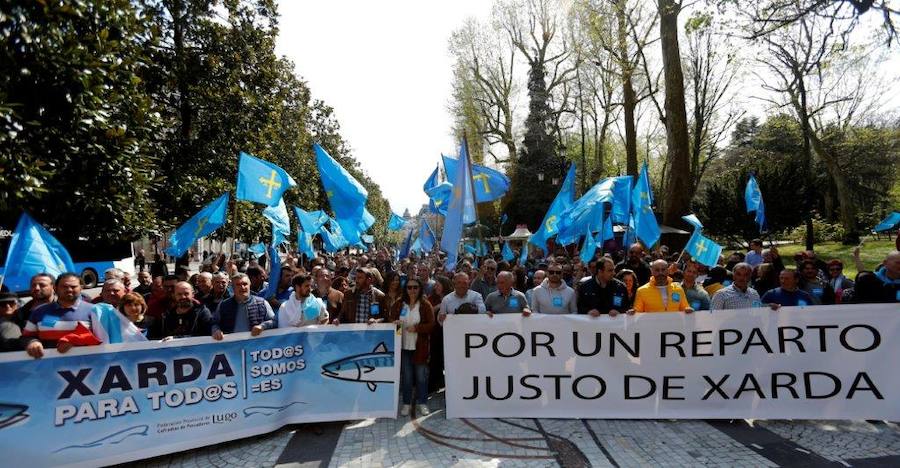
10, 332
506, 300
415, 317
660, 294
789, 294
302, 308
462, 300
242, 312
697, 297
364, 303
739, 294
61, 324
603, 294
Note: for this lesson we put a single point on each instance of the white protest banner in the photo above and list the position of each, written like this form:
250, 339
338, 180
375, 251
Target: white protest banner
824, 362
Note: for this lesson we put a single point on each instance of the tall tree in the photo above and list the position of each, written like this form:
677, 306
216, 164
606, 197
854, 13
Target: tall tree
678, 160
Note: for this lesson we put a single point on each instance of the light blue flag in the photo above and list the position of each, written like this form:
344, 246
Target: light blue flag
471, 249
396, 223
404, 252
261, 181
888, 223
426, 237
367, 221
461, 210
207, 220
628, 237
257, 249
693, 221
346, 195
305, 245
310, 221
33, 250
754, 200
483, 249
334, 239
588, 248
417, 246
507, 252
585, 212
703, 250
523, 255
439, 198
645, 226
621, 207
490, 184
366, 238
274, 273
111, 327
281, 222
607, 232
433, 180
563, 201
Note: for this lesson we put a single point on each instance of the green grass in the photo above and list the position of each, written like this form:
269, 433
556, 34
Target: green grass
872, 253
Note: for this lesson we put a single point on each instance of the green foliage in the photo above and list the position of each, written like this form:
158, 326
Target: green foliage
823, 231
118, 117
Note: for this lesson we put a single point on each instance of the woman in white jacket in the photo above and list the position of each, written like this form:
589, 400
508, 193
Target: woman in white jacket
302, 308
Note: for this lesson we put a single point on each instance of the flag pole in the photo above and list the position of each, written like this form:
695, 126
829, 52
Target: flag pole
472, 184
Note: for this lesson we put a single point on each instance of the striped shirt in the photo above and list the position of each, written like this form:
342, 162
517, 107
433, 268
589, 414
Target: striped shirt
52, 323
730, 297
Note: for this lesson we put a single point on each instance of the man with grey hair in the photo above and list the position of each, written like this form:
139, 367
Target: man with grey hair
739, 294
113, 273
242, 312
218, 292
204, 285
506, 300
462, 300
112, 293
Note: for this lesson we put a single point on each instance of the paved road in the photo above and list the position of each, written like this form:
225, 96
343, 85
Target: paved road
436, 441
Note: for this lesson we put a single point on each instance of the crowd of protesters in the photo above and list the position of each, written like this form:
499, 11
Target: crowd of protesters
417, 294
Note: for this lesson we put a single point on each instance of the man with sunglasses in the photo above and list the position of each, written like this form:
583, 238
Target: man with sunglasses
553, 295
486, 283
604, 294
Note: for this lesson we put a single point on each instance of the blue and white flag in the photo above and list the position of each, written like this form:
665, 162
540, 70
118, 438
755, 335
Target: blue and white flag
645, 226
693, 221
207, 220
507, 253
754, 200
703, 249
110, 326
345, 194
261, 181
396, 222
33, 250
563, 201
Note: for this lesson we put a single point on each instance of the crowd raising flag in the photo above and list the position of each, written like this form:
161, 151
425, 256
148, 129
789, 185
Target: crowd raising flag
281, 222
645, 225
396, 222
261, 181
490, 184
564, 199
702, 249
754, 200
346, 196
207, 220
310, 221
33, 250
461, 210
274, 272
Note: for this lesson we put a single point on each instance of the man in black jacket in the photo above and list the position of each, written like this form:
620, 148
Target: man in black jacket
603, 294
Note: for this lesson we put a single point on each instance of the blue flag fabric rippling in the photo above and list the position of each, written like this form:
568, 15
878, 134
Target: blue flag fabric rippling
281, 222
396, 222
507, 252
703, 249
305, 245
461, 210
261, 181
439, 198
523, 254
693, 221
257, 249
550, 224
274, 273
588, 248
645, 226
754, 200
310, 221
33, 250
426, 237
585, 212
490, 184
888, 223
404, 252
345, 194
207, 220
621, 199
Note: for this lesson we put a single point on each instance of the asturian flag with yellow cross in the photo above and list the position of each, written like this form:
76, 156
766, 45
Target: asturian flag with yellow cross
261, 181
207, 220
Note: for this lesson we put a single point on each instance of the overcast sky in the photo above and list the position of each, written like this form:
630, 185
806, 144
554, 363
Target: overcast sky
385, 69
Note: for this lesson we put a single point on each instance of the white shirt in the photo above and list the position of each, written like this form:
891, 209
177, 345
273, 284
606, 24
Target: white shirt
451, 302
409, 316
301, 312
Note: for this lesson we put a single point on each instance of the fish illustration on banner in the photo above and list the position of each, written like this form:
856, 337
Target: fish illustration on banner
369, 368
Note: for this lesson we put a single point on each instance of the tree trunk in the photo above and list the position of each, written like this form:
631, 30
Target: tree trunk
629, 98
845, 200
678, 177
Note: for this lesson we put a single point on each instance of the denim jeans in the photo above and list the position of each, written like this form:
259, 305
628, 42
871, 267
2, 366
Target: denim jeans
410, 371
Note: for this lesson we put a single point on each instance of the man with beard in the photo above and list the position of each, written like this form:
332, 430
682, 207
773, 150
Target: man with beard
186, 317
323, 290
41, 293
302, 308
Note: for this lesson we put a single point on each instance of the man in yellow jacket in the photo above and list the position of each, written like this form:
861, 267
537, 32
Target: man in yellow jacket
660, 294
